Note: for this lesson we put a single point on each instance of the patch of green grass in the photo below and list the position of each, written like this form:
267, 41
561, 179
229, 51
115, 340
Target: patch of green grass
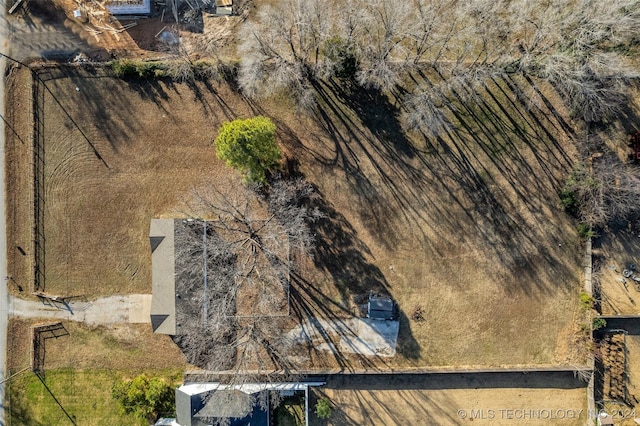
85, 395
586, 301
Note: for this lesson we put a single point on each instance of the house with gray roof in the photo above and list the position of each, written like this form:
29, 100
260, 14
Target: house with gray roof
248, 404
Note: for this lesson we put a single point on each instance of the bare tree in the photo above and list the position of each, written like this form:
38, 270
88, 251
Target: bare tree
205, 315
236, 301
433, 26
423, 110
576, 49
295, 42
289, 200
381, 41
183, 68
291, 43
281, 48
594, 87
603, 189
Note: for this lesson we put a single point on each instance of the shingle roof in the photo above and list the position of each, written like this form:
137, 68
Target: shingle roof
163, 303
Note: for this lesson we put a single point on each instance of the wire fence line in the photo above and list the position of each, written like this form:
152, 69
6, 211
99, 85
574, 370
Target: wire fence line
39, 240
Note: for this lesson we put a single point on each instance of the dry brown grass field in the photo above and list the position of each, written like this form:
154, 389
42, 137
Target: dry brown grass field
19, 175
465, 226
122, 347
448, 399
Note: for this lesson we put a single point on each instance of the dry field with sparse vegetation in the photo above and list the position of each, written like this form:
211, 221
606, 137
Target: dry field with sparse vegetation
119, 347
458, 219
457, 399
465, 228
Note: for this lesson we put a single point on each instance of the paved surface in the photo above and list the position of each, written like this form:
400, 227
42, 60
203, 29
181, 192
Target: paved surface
4, 45
34, 37
133, 308
46, 40
355, 335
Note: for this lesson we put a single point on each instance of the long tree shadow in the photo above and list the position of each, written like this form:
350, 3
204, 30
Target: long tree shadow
375, 111
71, 417
381, 146
491, 142
339, 252
106, 113
503, 214
46, 79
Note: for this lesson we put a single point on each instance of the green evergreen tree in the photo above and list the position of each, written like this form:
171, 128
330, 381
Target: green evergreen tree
249, 145
323, 408
145, 397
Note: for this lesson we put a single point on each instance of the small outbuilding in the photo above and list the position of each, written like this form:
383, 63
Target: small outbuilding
380, 308
224, 7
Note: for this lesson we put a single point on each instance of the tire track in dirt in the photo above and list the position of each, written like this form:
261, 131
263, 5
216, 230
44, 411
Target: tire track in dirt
67, 166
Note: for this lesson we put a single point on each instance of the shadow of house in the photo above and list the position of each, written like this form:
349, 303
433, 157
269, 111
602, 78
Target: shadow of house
249, 404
